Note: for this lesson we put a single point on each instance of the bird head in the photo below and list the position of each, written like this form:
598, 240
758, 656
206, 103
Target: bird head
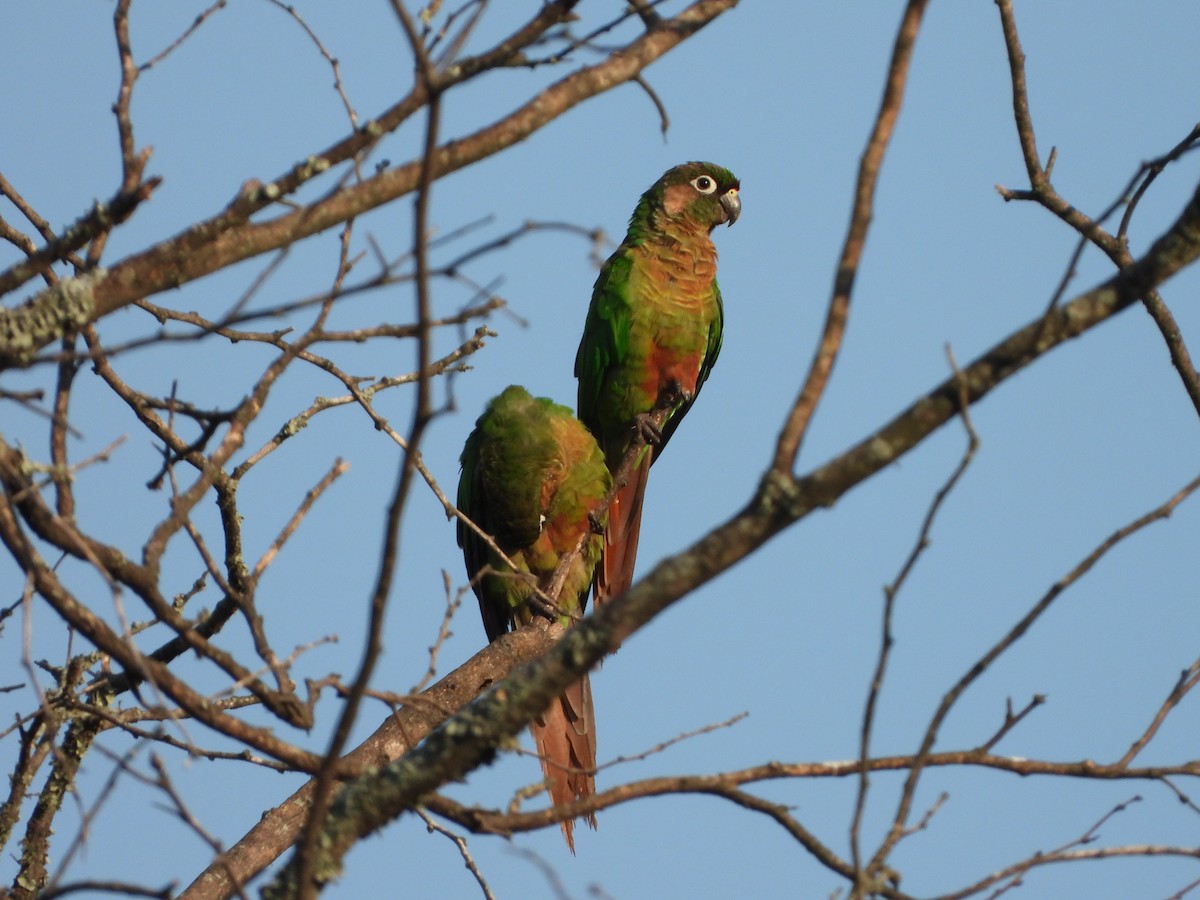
700, 193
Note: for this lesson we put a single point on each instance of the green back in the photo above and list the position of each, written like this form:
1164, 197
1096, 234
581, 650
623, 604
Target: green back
535, 480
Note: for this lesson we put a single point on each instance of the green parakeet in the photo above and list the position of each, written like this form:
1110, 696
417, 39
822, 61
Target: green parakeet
654, 325
535, 480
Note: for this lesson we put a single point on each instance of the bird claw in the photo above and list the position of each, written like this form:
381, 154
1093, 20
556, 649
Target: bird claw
670, 397
643, 425
595, 524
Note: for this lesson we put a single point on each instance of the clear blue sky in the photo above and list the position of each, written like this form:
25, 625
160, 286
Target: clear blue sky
783, 94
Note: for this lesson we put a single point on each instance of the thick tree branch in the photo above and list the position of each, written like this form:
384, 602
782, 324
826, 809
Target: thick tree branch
491, 821
280, 827
101, 218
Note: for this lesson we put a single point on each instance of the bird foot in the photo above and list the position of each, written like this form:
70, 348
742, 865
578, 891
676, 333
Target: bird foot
670, 396
643, 425
595, 524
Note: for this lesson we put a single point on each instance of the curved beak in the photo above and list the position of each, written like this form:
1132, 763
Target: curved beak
732, 204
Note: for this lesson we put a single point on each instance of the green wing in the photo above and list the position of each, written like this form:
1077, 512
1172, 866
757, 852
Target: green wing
472, 500
716, 334
498, 491
605, 341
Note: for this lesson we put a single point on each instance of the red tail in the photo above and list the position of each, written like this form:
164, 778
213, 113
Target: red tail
614, 575
565, 736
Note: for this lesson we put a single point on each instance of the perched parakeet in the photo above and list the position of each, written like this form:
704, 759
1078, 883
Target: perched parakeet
535, 480
654, 325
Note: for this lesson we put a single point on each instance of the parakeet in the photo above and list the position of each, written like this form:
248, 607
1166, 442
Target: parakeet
534, 478
654, 324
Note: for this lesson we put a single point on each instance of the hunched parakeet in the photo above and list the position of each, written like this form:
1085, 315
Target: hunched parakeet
534, 478
653, 330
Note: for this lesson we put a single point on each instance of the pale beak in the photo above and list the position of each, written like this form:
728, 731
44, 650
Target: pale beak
732, 204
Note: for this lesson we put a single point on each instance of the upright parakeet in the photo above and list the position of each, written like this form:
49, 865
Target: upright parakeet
535, 480
654, 326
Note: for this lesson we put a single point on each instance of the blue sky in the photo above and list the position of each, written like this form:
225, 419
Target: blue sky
1073, 448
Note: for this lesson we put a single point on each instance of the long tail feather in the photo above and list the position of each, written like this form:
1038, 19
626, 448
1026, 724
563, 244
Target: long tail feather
565, 736
614, 575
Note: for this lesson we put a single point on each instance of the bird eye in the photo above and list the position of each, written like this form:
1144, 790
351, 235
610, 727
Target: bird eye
704, 184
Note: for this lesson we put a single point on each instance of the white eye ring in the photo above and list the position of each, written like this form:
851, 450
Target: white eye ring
705, 184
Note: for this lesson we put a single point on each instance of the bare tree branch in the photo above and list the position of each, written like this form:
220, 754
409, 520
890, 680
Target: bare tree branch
230, 236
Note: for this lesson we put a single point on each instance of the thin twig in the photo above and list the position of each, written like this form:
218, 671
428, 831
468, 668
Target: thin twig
790, 437
305, 860
464, 851
890, 592
1000, 647
175, 44
1187, 680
